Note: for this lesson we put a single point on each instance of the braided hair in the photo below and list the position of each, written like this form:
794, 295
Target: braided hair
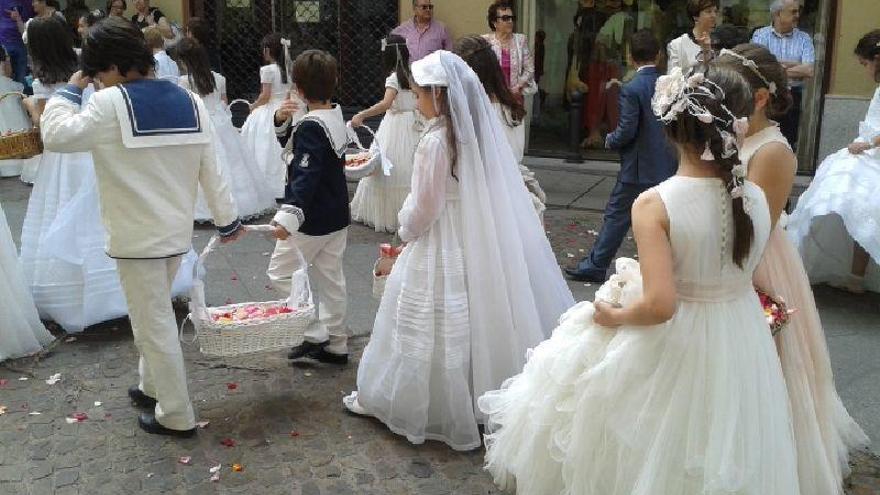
705, 127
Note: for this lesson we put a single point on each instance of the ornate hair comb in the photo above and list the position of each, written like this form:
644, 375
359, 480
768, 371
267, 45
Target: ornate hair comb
747, 62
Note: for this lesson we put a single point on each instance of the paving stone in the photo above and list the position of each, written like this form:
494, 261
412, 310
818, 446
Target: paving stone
65, 477
11, 473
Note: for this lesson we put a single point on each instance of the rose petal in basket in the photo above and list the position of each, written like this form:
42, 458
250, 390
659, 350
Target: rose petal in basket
362, 164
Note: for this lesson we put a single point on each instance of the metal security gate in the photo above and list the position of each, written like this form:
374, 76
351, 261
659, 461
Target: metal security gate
351, 30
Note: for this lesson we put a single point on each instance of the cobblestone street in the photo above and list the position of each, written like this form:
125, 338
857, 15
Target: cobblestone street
276, 429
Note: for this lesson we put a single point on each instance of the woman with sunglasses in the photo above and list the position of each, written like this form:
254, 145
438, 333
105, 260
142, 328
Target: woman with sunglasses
512, 50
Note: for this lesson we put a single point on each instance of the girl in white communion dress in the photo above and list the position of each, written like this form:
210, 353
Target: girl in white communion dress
673, 385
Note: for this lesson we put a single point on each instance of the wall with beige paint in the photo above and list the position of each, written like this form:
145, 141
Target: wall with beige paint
854, 18
462, 17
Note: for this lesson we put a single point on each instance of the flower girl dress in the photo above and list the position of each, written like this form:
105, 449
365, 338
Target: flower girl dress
687, 407
21, 332
12, 118
840, 205
247, 183
824, 430
378, 198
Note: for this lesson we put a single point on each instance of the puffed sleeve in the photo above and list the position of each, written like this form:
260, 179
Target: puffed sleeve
428, 196
392, 82
266, 74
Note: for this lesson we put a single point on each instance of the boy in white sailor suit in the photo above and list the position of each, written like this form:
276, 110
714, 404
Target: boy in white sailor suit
151, 145
314, 216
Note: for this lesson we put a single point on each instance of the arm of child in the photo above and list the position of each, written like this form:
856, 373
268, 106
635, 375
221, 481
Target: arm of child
772, 169
424, 204
307, 167
377, 109
659, 299
66, 129
216, 189
628, 125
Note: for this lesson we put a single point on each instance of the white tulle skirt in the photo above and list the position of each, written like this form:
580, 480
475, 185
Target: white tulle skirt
249, 187
415, 374
841, 205
689, 407
262, 146
73, 281
824, 431
21, 332
378, 198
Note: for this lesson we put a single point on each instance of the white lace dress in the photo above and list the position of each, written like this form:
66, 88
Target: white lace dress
840, 205
688, 407
824, 430
258, 132
378, 198
21, 332
12, 118
247, 183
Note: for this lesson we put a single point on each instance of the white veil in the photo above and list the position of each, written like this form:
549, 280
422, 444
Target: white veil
517, 293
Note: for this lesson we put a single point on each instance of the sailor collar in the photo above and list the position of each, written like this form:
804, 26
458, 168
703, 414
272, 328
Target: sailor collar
333, 124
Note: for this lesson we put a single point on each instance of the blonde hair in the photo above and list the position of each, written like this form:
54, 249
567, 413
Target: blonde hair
155, 40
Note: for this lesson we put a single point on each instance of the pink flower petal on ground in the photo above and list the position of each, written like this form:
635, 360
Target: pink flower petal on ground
3, 382
185, 460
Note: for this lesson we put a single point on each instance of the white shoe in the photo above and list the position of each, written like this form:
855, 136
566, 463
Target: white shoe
351, 403
853, 284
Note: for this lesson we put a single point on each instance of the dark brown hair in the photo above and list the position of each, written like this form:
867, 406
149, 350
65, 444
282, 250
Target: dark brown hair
314, 72
692, 135
391, 62
50, 45
769, 67
272, 42
643, 46
868, 48
694, 7
115, 41
492, 15
477, 52
198, 68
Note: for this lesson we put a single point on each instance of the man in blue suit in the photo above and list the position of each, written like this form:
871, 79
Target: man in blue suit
646, 158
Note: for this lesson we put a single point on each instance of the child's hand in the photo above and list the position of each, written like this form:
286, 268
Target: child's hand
286, 110
280, 233
357, 120
79, 80
858, 148
605, 315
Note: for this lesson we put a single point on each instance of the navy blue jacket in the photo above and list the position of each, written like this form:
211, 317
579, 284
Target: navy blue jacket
316, 180
646, 156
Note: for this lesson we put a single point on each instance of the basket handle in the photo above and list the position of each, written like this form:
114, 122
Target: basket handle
238, 100
181, 337
352, 135
303, 290
13, 93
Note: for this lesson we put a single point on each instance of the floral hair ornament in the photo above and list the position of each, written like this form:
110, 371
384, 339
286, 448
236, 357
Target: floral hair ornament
747, 62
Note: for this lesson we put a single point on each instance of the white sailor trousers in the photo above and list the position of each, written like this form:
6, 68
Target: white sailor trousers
147, 287
323, 254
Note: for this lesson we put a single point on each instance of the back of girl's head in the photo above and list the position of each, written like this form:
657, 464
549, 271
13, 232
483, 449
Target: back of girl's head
194, 57
767, 71
868, 48
272, 42
478, 54
116, 41
395, 58
712, 103
200, 30
50, 45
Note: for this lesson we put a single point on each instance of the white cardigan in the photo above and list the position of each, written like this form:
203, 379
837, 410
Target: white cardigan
148, 194
683, 53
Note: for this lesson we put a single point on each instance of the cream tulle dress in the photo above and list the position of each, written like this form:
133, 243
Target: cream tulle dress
687, 407
824, 430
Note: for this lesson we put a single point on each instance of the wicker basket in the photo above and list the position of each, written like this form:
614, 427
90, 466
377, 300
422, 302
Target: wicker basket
235, 338
371, 166
21, 144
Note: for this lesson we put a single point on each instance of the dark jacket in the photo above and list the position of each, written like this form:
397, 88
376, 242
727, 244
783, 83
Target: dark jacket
316, 179
646, 155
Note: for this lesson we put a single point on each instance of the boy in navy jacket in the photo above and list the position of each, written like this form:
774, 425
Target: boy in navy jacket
314, 215
646, 158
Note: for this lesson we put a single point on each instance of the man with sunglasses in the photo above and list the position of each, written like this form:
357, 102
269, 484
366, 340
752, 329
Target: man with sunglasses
423, 34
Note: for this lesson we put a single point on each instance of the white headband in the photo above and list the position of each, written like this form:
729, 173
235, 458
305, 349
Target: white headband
747, 62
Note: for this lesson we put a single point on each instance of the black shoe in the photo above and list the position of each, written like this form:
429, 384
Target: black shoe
140, 399
148, 423
324, 356
304, 349
584, 276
